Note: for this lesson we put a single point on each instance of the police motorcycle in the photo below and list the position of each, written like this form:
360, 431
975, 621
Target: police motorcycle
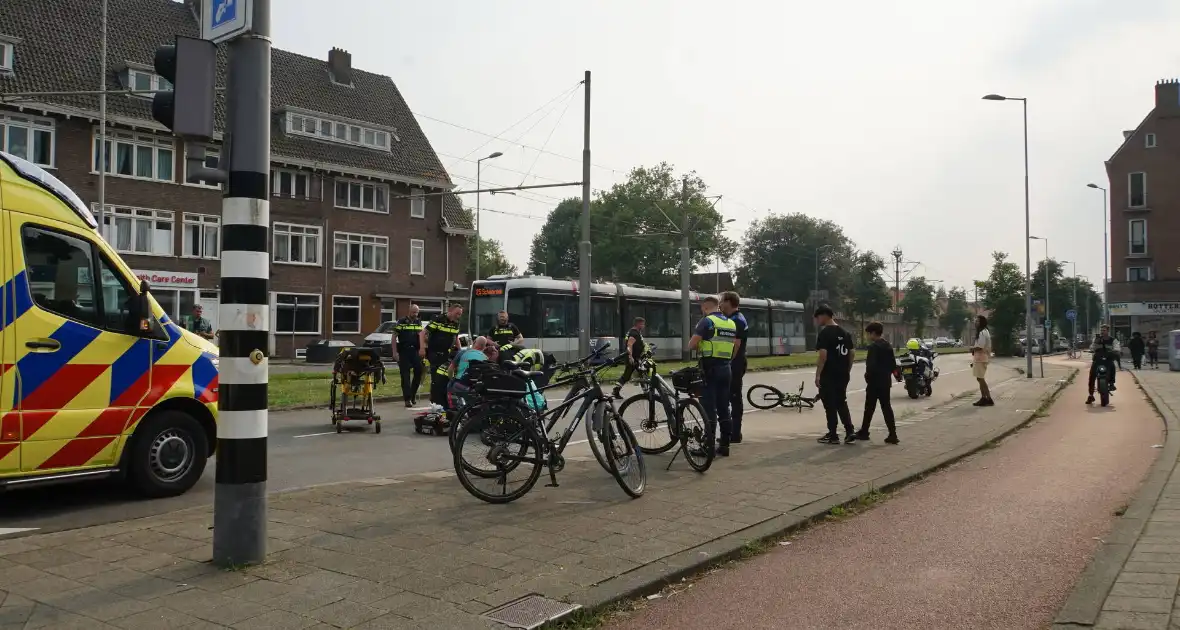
917, 370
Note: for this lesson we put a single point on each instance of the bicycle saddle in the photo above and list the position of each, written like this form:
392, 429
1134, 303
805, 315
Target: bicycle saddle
525, 374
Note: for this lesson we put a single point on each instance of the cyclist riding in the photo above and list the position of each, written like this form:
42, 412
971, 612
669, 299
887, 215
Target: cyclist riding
1104, 354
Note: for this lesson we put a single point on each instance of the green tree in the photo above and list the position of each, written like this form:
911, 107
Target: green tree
492, 260
866, 294
1003, 296
918, 305
635, 230
1060, 293
780, 255
955, 317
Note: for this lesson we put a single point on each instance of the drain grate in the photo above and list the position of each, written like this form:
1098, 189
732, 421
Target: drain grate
530, 611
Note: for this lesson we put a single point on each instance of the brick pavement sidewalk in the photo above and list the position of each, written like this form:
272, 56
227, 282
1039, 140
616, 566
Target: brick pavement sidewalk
1132, 581
419, 552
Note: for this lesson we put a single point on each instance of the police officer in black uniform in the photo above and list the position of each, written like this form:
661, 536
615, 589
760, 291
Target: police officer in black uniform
405, 353
436, 341
730, 304
504, 332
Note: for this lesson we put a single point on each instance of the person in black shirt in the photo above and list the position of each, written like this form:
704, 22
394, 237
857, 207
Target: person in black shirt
832, 373
730, 302
405, 353
504, 332
635, 349
879, 366
435, 343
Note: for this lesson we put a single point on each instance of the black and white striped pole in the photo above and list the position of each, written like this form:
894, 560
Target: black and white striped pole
239, 504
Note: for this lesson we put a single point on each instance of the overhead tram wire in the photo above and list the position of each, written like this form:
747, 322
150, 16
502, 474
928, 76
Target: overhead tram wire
547, 139
566, 93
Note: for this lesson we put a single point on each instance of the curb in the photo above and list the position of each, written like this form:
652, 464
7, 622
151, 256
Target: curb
1085, 602
652, 577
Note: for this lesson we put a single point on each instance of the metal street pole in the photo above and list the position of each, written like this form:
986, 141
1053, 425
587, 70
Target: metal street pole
1074, 329
239, 502
584, 277
685, 274
478, 237
102, 128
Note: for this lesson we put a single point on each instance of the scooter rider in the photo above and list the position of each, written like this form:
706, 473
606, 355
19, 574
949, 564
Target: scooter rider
1103, 348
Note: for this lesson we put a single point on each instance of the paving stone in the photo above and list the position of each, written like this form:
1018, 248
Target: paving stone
215, 607
276, 620
1131, 621
346, 614
1131, 589
1138, 604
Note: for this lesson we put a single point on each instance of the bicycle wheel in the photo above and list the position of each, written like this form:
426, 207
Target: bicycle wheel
768, 396
593, 436
656, 430
491, 427
697, 434
500, 460
621, 450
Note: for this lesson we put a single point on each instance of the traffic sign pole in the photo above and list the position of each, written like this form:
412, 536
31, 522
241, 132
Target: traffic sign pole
239, 503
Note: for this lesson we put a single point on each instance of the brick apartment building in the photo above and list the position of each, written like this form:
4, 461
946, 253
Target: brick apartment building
351, 246
1144, 292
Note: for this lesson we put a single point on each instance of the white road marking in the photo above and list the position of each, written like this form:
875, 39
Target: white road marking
4, 531
314, 434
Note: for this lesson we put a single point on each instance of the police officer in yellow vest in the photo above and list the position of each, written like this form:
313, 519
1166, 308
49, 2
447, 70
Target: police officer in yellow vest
437, 340
505, 332
714, 337
405, 353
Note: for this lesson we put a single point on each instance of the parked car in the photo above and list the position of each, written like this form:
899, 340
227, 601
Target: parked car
382, 338
1037, 348
943, 342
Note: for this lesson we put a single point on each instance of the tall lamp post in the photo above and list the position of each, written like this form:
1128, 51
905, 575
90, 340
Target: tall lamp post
478, 239
1048, 324
718, 239
1074, 332
1105, 256
1028, 318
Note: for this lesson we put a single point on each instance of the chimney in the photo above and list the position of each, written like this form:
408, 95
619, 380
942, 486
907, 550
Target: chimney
340, 66
1167, 93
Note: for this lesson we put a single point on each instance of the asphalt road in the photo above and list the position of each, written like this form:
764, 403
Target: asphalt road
304, 451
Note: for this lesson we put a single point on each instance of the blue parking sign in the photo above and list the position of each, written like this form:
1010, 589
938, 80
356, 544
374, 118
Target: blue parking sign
223, 20
224, 11
1071, 314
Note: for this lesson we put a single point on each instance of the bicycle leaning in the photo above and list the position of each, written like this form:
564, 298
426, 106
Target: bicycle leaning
665, 419
507, 436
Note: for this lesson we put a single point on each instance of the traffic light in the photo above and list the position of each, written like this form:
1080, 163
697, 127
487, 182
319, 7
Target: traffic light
190, 65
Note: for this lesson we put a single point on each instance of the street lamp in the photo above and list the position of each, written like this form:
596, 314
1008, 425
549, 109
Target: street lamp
1073, 340
478, 243
718, 239
1105, 257
1028, 318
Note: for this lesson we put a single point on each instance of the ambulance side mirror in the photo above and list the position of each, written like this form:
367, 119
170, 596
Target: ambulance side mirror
141, 312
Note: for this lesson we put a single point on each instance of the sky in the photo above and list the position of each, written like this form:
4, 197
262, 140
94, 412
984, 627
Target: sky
862, 112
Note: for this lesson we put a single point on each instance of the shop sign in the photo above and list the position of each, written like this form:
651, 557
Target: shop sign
1144, 308
168, 279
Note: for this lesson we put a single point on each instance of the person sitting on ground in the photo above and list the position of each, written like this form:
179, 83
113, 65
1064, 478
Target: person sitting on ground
457, 388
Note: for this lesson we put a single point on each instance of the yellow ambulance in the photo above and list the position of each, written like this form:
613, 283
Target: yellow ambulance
95, 379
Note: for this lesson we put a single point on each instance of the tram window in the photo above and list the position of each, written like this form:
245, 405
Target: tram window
522, 312
604, 317
759, 324
559, 316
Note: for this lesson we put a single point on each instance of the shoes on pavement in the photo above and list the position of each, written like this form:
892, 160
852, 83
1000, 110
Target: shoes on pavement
988, 402
980, 403
830, 438
1090, 399
736, 439
863, 435
850, 438
409, 402
723, 450
892, 439
617, 394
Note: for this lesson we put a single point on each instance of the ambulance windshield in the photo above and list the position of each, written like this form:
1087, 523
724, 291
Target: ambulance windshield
42, 178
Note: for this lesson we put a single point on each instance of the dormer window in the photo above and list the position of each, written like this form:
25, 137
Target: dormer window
144, 81
7, 57
338, 131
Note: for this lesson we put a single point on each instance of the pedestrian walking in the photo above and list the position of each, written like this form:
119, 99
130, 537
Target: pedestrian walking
714, 337
879, 366
981, 356
405, 354
635, 348
730, 306
832, 373
1138, 348
1153, 350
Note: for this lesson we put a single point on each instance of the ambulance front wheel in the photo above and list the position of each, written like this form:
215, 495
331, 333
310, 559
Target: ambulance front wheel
168, 454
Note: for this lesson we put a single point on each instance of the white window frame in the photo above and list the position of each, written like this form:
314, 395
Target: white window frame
348, 239
377, 187
113, 213
418, 246
137, 141
209, 152
319, 320
417, 203
339, 131
276, 178
156, 82
1149, 141
7, 57
1131, 237
305, 232
200, 221
1148, 274
1130, 199
349, 331
32, 126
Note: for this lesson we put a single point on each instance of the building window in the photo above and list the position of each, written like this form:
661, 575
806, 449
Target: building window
290, 184
136, 156
297, 244
1149, 141
138, 230
297, 313
417, 203
1137, 190
201, 235
212, 160
7, 57
1138, 274
337, 131
360, 252
27, 137
1138, 230
354, 195
417, 257
144, 81
346, 314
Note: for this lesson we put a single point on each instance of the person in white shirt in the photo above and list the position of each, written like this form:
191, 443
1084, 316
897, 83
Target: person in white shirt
981, 354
